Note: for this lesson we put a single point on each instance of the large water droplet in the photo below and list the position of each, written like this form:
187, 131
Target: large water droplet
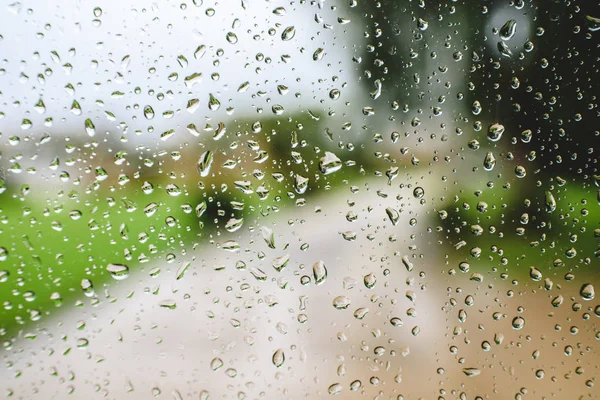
213, 103
278, 358
118, 271
319, 272
471, 371
335, 389
495, 132
216, 363
587, 291
148, 112
518, 323
549, 201
300, 184
535, 273
489, 162
87, 287
504, 50
234, 224
288, 33
204, 163
393, 215
329, 163
341, 302
508, 29
90, 129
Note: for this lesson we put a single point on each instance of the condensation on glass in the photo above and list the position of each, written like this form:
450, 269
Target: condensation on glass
299, 199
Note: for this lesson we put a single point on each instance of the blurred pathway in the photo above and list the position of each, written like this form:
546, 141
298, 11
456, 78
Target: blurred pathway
218, 329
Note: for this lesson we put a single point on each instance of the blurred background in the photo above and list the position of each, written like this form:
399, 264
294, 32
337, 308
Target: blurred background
265, 199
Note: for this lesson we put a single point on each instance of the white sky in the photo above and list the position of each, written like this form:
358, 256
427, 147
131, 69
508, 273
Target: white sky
153, 35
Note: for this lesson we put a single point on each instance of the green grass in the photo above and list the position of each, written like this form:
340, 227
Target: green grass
546, 238
53, 245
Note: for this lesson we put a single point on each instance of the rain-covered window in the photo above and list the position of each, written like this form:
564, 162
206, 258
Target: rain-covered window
252, 199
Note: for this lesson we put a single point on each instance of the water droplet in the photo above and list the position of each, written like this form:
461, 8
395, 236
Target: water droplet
90, 129
232, 37
300, 184
495, 132
118, 271
508, 29
550, 201
319, 272
377, 92
471, 371
278, 358
87, 287
518, 323
318, 54
335, 389
213, 103
393, 215
234, 224
279, 263
504, 50
3, 254
419, 192
341, 302
288, 33
216, 363
168, 304
535, 273
370, 280
204, 163
329, 163
268, 236
75, 108
587, 291
489, 162
593, 23
557, 301
148, 112
409, 265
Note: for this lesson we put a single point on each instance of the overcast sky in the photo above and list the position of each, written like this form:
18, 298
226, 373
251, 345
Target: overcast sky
154, 36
